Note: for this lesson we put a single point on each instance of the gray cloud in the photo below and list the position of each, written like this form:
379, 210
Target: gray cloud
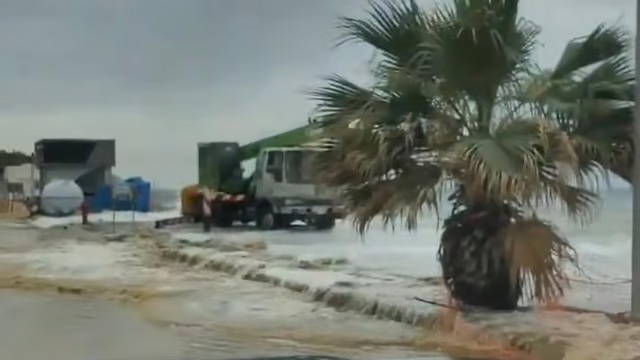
161, 75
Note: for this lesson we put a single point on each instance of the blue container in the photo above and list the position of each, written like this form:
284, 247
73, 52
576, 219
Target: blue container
95, 206
141, 194
140, 201
122, 205
101, 199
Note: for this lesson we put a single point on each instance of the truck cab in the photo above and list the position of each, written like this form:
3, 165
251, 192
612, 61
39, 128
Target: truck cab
285, 189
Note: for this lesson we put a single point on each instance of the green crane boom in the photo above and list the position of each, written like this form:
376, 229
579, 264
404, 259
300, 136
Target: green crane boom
288, 138
218, 160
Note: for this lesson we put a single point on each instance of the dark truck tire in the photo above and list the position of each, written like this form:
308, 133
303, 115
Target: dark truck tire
224, 220
266, 219
223, 214
325, 222
283, 221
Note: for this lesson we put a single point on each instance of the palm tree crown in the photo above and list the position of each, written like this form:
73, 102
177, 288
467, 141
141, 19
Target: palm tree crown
458, 106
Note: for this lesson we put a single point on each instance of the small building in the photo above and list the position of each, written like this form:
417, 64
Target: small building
88, 162
25, 177
4, 189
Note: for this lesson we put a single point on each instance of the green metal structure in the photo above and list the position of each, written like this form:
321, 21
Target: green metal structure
219, 163
289, 138
215, 160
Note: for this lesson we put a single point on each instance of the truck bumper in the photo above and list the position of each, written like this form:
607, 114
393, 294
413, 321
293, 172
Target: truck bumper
309, 214
301, 210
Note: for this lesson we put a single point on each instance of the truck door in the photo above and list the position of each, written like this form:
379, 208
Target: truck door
270, 172
300, 175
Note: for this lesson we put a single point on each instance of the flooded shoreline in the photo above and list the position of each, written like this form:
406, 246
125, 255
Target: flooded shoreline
68, 326
552, 334
102, 301
203, 288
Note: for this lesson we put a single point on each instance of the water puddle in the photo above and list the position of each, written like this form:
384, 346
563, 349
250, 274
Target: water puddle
41, 325
68, 327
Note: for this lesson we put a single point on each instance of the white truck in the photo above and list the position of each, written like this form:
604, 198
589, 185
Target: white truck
283, 188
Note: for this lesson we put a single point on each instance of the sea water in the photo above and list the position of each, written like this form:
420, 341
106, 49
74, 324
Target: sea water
604, 247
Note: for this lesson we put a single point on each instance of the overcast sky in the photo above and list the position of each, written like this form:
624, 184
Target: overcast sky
161, 75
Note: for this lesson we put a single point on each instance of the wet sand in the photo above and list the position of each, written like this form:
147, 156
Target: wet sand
66, 299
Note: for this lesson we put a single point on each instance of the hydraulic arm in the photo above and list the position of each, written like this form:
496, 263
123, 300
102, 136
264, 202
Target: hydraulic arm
219, 163
288, 138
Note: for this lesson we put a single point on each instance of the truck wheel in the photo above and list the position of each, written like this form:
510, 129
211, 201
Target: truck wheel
266, 220
325, 222
223, 215
224, 220
282, 221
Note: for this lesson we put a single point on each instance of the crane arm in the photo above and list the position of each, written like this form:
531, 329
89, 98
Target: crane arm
293, 137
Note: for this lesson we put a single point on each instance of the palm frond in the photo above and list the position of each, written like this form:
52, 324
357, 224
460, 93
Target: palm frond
503, 165
622, 161
529, 163
380, 174
613, 79
590, 95
343, 100
394, 28
536, 253
486, 31
363, 154
399, 197
601, 44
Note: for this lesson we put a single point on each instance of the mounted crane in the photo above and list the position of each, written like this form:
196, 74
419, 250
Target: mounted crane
282, 188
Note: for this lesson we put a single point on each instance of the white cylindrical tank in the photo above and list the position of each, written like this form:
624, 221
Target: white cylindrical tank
61, 197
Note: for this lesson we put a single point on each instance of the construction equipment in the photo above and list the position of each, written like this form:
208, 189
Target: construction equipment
281, 190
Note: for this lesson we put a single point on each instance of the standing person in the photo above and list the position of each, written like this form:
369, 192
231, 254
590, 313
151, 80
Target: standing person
84, 210
206, 212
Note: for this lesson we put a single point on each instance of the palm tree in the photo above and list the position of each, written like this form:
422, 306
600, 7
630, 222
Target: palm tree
590, 95
13, 158
447, 113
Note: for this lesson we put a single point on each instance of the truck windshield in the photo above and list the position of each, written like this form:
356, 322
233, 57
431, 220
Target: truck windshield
300, 166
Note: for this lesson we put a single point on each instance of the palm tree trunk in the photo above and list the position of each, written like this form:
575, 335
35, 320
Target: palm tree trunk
474, 268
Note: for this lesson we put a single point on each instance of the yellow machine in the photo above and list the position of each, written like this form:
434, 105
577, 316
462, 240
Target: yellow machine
190, 201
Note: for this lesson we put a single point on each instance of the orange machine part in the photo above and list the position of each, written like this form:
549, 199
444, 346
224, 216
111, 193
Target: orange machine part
189, 197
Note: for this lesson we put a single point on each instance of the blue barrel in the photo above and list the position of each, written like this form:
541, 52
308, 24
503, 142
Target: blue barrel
142, 194
102, 199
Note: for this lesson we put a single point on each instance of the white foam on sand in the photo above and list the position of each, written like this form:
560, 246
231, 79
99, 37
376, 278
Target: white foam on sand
110, 264
45, 222
71, 259
315, 279
192, 238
